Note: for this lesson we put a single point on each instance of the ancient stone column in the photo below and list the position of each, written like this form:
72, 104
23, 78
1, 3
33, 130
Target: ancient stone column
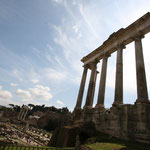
81, 90
119, 77
26, 111
20, 113
142, 94
101, 92
91, 101
91, 88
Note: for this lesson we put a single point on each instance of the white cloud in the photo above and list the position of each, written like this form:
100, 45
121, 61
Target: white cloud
76, 28
13, 84
34, 81
35, 95
27, 101
72, 44
5, 94
58, 1
74, 2
23, 93
72, 47
5, 102
59, 102
5, 97
57, 75
87, 17
64, 41
41, 92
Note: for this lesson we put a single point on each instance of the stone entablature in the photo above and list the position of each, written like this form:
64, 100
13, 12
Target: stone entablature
122, 36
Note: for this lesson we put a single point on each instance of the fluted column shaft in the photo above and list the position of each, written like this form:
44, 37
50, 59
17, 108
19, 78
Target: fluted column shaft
22, 114
101, 93
26, 111
91, 101
19, 115
142, 94
119, 77
82, 86
91, 88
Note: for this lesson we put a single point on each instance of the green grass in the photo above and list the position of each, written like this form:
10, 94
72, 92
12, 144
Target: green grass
105, 142
118, 146
105, 146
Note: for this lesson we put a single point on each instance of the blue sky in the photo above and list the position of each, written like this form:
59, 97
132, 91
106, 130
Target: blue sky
42, 42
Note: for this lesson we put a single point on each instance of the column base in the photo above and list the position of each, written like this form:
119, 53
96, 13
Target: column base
140, 100
99, 106
87, 107
116, 103
77, 114
77, 108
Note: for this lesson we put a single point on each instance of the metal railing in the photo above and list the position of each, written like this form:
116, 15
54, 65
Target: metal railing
15, 147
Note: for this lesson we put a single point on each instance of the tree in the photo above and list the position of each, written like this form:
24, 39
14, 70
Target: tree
17, 108
12, 105
31, 105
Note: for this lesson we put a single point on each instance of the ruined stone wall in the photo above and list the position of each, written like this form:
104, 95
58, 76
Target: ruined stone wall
130, 122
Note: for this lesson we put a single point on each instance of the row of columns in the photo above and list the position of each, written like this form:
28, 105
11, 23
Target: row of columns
142, 94
22, 114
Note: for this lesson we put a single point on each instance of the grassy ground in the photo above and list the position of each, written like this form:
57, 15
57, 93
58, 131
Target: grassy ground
117, 146
106, 146
105, 142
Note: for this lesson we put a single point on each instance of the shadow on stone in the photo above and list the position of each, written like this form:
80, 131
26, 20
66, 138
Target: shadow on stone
66, 136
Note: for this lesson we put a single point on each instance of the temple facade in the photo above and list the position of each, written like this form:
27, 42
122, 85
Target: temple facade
121, 120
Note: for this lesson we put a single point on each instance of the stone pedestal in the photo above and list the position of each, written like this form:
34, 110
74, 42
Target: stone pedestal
99, 108
77, 114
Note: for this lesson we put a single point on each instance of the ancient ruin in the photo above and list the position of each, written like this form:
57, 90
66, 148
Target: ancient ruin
23, 112
125, 121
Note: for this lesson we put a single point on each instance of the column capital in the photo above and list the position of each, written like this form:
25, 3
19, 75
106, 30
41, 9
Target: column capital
93, 64
121, 46
138, 36
106, 55
85, 66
